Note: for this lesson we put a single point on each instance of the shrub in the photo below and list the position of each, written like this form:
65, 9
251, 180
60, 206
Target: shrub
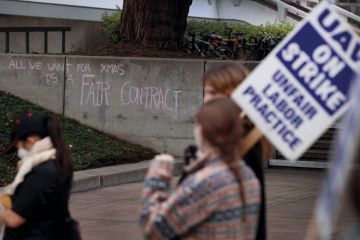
111, 25
201, 28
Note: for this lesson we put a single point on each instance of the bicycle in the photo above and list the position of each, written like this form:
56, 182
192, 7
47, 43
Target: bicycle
217, 42
266, 44
235, 44
200, 47
251, 48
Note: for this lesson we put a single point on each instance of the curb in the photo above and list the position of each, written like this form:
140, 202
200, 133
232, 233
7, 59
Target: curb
114, 175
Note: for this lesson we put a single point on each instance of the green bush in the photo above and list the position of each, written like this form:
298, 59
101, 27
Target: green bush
111, 25
201, 28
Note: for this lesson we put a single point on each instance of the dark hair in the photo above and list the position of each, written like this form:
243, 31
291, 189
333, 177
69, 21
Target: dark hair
355, 190
63, 155
354, 184
225, 77
189, 157
222, 128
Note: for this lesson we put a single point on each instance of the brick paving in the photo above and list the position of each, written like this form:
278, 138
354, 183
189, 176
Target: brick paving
111, 213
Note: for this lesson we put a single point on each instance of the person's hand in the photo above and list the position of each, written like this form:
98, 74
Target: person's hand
162, 166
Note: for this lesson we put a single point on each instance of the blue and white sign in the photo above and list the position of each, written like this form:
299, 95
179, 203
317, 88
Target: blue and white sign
345, 149
301, 88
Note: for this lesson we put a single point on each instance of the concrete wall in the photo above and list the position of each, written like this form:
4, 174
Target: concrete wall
143, 100
148, 101
39, 79
75, 39
251, 65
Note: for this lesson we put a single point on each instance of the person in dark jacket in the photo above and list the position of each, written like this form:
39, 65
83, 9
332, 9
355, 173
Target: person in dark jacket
41, 189
221, 81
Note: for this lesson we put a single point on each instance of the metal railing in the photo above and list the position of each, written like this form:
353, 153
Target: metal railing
28, 30
283, 8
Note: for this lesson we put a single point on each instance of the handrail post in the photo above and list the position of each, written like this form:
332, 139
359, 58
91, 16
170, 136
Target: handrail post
27, 42
281, 11
7, 42
45, 42
63, 42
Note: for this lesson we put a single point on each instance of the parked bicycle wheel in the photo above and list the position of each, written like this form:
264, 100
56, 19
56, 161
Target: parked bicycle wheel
252, 49
186, 46
240, 54
226, 53
213, 53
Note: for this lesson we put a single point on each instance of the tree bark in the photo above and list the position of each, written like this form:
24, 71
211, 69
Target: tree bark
155, 23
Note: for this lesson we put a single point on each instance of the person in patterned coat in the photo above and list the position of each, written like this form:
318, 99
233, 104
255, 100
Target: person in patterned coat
220, 196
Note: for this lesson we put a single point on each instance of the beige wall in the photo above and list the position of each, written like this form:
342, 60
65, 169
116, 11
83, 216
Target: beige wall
84, 35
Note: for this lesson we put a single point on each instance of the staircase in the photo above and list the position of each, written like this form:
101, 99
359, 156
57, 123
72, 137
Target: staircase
298, 9
316, 157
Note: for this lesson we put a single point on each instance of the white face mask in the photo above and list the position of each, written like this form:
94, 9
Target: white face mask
22, 153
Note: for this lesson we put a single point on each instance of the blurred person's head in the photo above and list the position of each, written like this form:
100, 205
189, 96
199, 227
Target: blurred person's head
221, 81
218, 128
30, 128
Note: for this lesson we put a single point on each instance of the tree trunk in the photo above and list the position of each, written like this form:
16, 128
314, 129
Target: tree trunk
155, 23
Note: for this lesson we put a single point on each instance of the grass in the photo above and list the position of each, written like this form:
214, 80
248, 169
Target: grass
90, 148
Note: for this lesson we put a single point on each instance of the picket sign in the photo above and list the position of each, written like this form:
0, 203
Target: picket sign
345, 150
301, 88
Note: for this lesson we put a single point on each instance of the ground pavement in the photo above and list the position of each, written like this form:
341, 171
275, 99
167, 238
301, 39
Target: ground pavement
111, 213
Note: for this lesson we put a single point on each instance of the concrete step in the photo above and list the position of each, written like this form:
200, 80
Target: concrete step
317, 155
321, 155
319, 151
321, 144
298, 164
114, 175
311, 155
328, 135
